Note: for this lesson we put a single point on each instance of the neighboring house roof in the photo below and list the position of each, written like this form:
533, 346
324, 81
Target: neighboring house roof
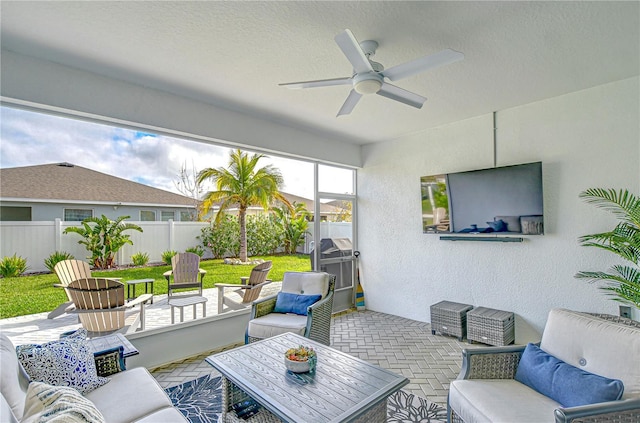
325, 208
65, 182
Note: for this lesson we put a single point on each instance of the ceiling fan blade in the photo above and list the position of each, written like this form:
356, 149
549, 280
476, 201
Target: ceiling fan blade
350, 103
403, 96
315, 84
422, 64
351, 48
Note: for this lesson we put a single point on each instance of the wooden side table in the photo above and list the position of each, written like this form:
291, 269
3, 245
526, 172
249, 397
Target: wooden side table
134, 283
181, 303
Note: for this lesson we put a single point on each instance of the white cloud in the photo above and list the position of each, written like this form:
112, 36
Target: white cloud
30, 138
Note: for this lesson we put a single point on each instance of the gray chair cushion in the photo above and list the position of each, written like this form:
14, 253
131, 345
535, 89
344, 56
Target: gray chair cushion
307, 283
275, 324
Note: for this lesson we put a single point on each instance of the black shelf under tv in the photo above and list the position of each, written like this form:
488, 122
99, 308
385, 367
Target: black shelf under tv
481, 238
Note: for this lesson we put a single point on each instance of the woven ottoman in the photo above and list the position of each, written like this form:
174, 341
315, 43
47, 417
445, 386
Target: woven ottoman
450, 318
490, 326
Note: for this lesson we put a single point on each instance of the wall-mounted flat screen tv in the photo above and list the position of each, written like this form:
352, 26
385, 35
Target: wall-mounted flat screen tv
502, 201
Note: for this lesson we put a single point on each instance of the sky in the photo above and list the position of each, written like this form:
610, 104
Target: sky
29, 138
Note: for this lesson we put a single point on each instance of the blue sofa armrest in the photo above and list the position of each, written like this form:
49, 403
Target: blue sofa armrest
623, 411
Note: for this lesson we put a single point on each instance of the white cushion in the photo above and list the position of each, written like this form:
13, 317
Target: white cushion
13, 379
306, 283
130, 396
275, 324
595, 345
46, 403
166, 415
499, 400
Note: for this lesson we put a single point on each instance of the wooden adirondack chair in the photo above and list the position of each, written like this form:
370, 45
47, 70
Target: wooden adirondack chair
186, 273
68, 271
101, 305
248, 290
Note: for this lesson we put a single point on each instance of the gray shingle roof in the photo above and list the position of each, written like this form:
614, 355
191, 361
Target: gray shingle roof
64, 181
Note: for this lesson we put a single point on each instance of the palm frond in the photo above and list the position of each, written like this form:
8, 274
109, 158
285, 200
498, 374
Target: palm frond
622, 203
622, 283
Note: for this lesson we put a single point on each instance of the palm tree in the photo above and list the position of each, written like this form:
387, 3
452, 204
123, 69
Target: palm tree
622, 281
294, 224
242, 184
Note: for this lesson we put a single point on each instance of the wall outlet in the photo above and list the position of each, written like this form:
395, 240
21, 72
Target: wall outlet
625, 312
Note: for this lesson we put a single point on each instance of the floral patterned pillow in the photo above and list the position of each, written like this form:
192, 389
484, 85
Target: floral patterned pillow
66, 362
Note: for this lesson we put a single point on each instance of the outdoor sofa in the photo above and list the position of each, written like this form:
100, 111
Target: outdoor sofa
128, 396
497, 384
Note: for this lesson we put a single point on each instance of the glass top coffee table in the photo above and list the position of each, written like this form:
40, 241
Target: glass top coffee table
343, 388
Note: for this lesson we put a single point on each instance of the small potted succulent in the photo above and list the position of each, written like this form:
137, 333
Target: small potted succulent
301, 359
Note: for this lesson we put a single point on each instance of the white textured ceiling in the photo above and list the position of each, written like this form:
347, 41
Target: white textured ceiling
236, 53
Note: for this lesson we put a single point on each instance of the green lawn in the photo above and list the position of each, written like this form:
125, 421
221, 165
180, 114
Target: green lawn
36, 294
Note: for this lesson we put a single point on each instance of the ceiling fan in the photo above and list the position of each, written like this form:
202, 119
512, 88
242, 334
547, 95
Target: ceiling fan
369, 76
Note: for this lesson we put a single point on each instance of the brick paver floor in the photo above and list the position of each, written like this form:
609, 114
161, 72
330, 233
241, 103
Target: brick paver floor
401, 345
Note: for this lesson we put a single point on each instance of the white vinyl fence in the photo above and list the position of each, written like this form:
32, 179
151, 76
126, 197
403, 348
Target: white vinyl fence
36, 241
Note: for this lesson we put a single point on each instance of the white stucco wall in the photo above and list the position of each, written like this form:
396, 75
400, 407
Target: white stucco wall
585, 139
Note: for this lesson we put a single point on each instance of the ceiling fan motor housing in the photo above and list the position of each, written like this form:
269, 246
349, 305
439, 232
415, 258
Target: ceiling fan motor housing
367, 83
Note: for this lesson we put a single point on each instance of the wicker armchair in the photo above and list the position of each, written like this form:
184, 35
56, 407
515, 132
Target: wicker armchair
501, 363
315, 325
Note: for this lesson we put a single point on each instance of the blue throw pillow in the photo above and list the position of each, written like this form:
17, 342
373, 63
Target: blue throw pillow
562, 382
498, 225
67, 362
287, 302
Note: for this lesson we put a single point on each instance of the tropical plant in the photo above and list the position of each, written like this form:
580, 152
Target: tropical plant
140, 259
167, 256
13, 266
55, 258
345, 211
294, 225
622, 282
221, 237
264, 235
242, 185
103, 237
196, 250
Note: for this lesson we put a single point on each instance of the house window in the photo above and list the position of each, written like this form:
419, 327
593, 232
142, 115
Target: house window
166, 215
147, 216
15, 214
72, 215
186, 216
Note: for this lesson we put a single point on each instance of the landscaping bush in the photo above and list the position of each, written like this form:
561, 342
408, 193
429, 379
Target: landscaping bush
168, 255
196, 250
13, 266
222, 238
140, 259
56, 258
264, 235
